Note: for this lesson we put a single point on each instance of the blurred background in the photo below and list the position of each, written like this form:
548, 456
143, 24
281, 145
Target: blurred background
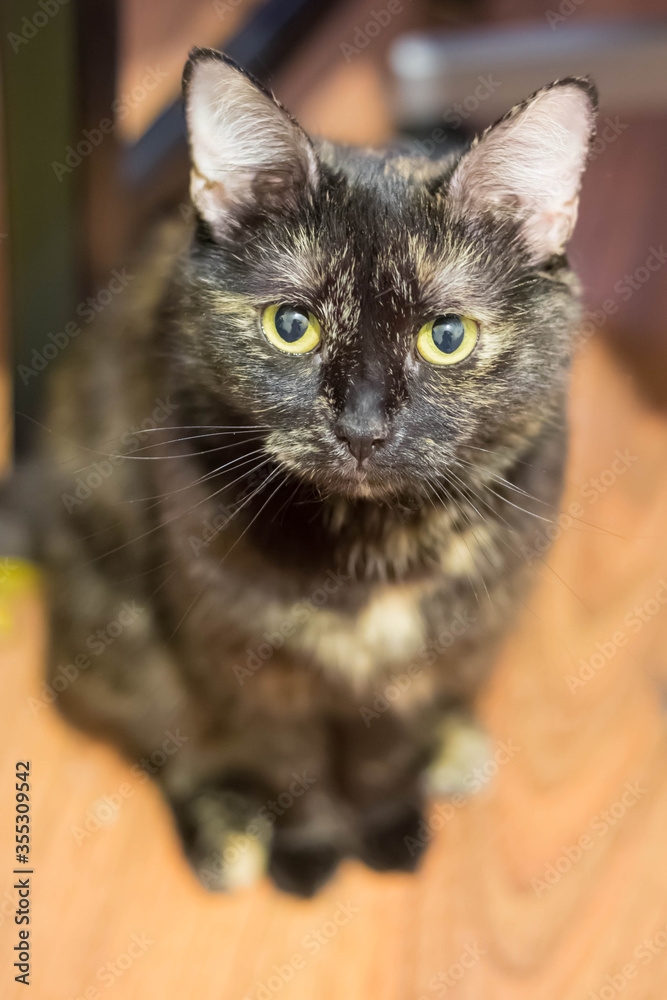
552, 883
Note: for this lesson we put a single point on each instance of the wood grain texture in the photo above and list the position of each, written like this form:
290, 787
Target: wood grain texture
544, 884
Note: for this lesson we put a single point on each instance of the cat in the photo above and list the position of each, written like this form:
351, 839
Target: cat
299, 468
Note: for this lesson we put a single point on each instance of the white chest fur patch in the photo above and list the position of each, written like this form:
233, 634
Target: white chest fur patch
387, 633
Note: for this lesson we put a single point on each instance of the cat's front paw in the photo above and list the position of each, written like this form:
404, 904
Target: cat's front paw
463, 748
301, 867
387, 835
225, 838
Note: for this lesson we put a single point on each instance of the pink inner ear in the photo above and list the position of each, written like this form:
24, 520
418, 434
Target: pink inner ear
532, 163
245, 148
551, 229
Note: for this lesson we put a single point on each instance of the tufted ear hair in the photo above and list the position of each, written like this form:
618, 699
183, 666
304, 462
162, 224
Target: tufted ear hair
530, 164
248, 154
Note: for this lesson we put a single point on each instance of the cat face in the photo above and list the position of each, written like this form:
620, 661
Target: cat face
381, 314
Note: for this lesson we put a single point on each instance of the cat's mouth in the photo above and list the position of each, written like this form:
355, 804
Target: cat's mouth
371, 479
358, 483
366, 481
348, 479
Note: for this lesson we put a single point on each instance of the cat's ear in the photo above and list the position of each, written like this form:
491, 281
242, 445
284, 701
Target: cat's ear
529, 165
248, 154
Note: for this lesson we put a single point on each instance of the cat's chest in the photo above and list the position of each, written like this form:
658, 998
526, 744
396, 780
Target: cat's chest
357, 631
385, 631
255, 611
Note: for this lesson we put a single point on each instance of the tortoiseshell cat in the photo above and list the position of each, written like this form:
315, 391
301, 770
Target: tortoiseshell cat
361, 360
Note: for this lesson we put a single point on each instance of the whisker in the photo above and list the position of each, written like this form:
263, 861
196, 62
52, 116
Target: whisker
237, 462
289, 500
190, 437
529, 496
240, 505
105, 454
153, 458
164, 524
197, 596
208, 427
202, 479
495, 475
514, 532
465, 542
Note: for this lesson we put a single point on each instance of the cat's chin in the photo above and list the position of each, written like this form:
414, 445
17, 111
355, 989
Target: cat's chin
360, 484
363, 490
348, 481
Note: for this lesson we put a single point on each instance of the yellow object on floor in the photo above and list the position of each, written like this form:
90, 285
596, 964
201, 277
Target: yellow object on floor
17, 577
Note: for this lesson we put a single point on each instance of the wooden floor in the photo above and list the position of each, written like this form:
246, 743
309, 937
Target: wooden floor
549, 885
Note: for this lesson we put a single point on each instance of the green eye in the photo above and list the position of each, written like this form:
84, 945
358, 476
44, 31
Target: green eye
291, 329
447, 339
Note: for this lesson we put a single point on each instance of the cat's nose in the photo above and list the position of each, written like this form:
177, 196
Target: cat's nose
362, 425
361, 445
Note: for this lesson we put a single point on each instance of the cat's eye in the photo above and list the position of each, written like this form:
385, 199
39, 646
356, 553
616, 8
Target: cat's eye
291, 328
447, 339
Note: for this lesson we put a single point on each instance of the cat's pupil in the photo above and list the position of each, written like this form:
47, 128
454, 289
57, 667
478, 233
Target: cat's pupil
448, 333
291, 323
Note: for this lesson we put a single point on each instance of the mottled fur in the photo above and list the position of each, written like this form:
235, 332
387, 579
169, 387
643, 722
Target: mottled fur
431, 533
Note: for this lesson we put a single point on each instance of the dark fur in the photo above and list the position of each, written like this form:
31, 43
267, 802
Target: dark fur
370, 247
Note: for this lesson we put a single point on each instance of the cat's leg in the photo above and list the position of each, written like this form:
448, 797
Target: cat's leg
256, 796
130, 691
225, 832
109, 671
380, 762
249, 784
236, 826
312, 836
232, 834
112, 676
462, 749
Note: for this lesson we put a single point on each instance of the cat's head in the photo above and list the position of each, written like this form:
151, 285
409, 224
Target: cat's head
380, 313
